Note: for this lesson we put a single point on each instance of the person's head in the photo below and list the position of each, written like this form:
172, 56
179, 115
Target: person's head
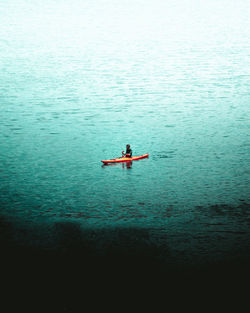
128, 146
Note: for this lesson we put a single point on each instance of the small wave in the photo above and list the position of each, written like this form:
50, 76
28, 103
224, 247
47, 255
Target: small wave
164, 155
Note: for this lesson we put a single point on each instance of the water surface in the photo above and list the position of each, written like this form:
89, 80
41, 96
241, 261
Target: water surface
80, 80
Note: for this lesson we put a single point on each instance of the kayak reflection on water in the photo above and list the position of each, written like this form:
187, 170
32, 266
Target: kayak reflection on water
127, 164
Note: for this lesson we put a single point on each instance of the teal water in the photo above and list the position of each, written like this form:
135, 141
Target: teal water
81, 79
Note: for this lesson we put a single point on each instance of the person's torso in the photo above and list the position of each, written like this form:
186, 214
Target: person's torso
129, 151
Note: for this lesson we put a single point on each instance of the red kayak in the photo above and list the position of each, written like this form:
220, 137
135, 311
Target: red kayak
125, 159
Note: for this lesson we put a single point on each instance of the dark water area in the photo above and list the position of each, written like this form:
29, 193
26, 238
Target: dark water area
62, 267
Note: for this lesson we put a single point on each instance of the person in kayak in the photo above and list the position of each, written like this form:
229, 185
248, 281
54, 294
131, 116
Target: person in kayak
128, 153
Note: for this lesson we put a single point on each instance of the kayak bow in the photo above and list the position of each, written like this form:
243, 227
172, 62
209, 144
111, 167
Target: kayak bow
125, 159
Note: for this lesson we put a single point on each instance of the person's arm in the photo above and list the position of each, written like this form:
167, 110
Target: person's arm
128, 155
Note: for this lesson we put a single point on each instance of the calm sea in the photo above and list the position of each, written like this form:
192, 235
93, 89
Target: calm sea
81, 79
